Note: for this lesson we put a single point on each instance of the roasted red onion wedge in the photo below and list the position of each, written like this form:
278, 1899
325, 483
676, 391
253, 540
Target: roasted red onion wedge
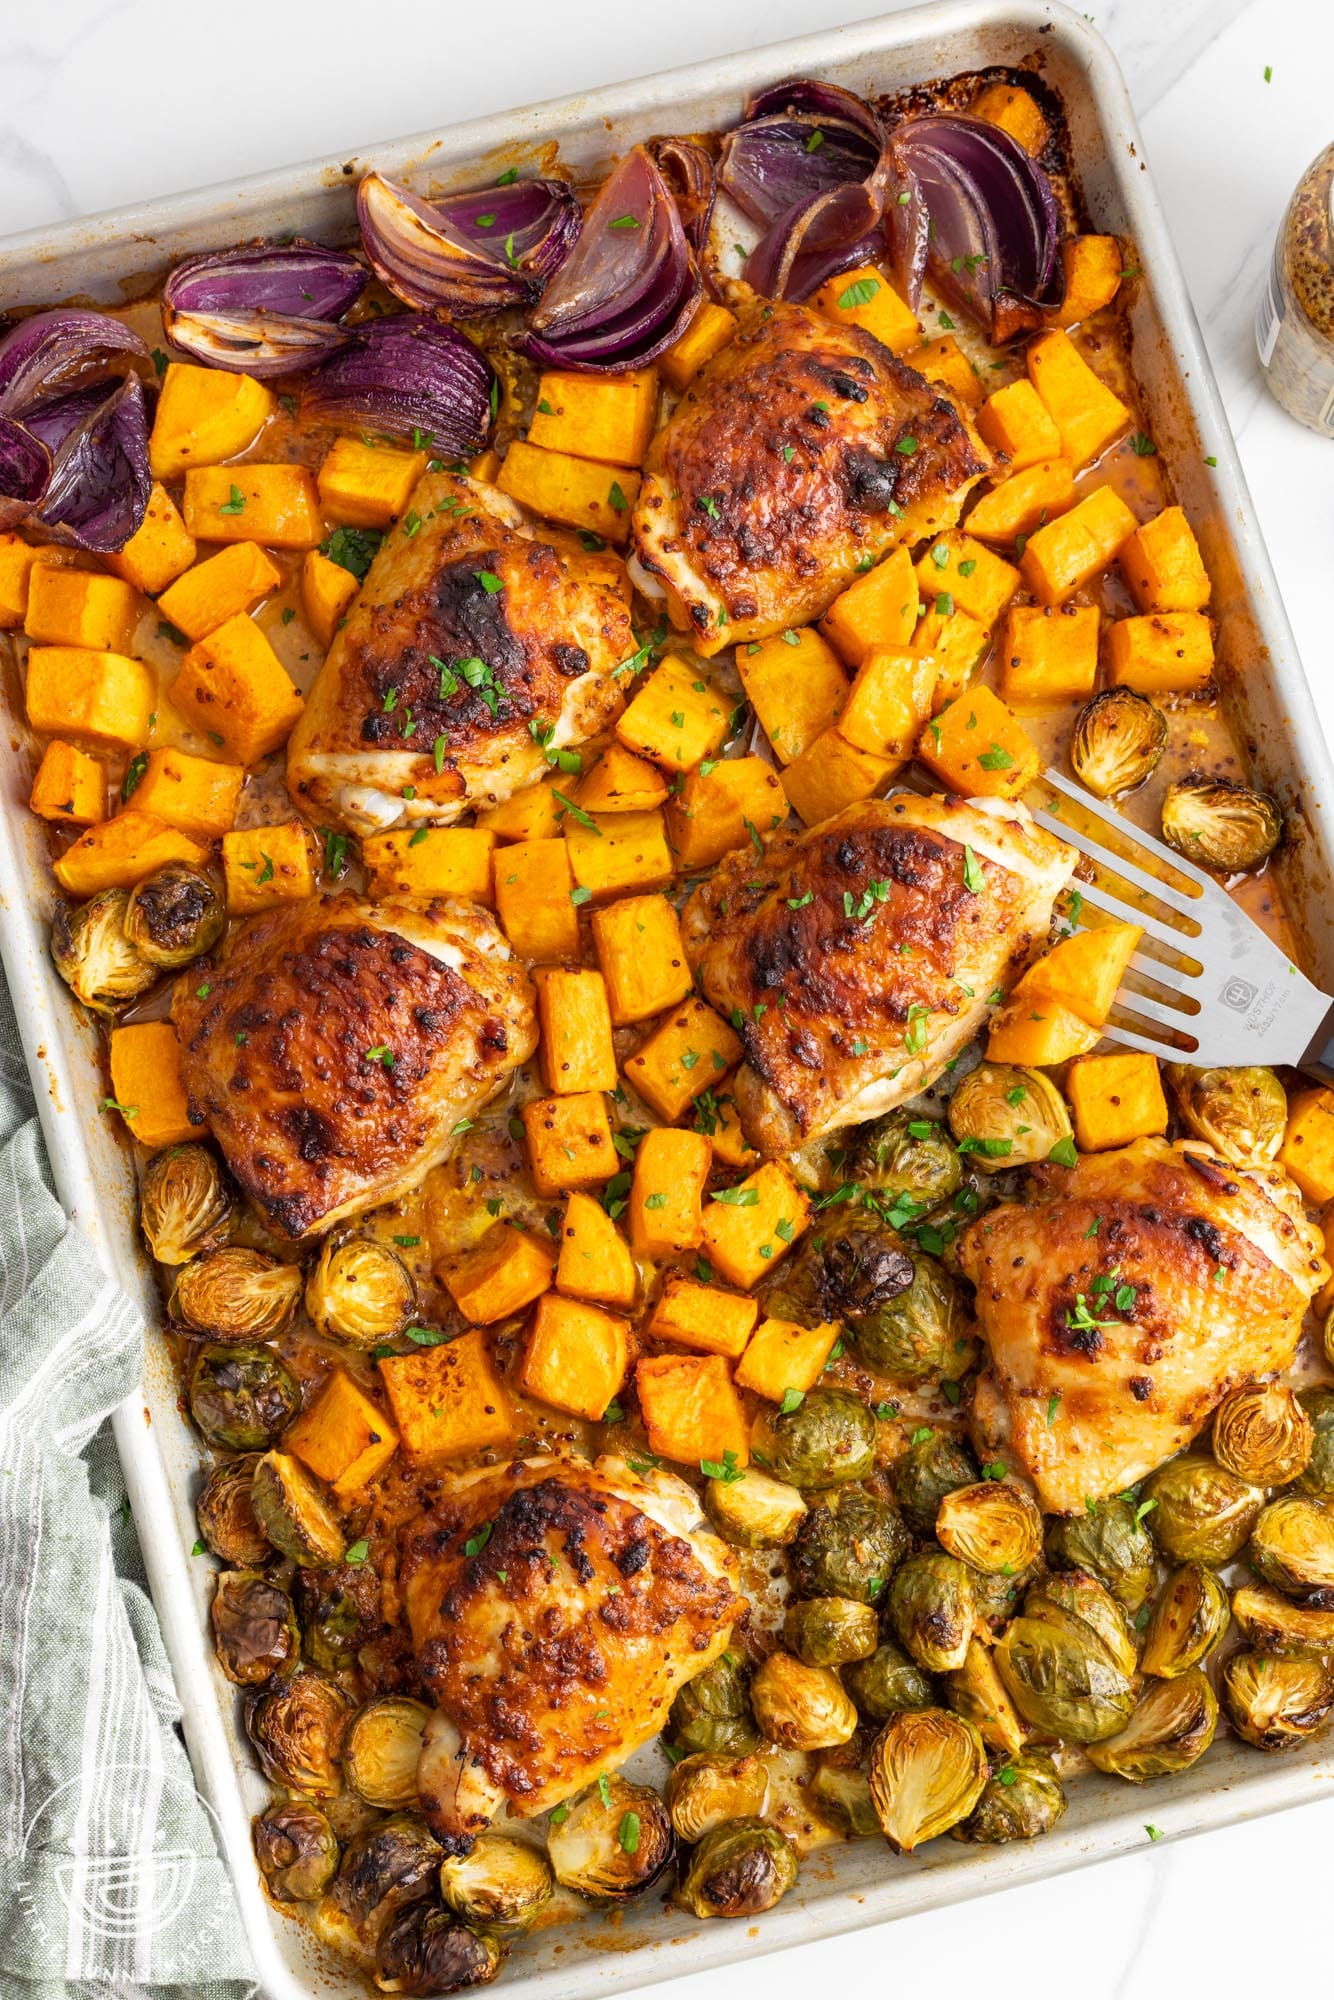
472, 253
73, 438
264, 309
407, 374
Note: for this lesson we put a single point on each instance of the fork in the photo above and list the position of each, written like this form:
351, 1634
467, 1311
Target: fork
1207, 985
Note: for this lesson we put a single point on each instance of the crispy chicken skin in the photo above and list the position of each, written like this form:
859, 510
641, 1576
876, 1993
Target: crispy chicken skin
858, 960
801, 452
1222, 1262
382, 714
276, 1036
555, 1650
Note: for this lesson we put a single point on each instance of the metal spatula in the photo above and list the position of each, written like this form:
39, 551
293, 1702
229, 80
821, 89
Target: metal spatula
1207, 985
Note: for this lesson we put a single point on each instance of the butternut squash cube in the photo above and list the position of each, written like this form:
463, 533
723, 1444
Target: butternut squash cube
117, 853
783, 1356
448, 1401
17, 559
1069, 552
877, 611
691, 1411
1013, 110
159, 550
233, 685
689, 1053
532, 814
890, 700
146, 1084
1024, 501
795, 684
274, 504
1015, 423
1093, 270
703, 1317
221, 587
577, 1051
943, 361
748, 1228
642, 957
1038, 1034
621, 782
721, 806
267, 865
975, 580
1307, 1152
342, 1436
619, 852
717, 1118
978, 750
865, 298
576, 1356
367, 485
666, 1190
75, 691
327, 589
499, 1276
1171, 652
578, 491
677, 717
955, 642
830, 774
1085, 411
1049, 654
77, 607
191, 793
1163, 567
569, 1142
431, 861
607, 417
707, 334
70, 786
485, 466
534, 887
595, 1261
204, 415
1083, 972
1114, 1099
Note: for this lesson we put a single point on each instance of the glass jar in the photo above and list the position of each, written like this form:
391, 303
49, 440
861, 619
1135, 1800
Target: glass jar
1294, 326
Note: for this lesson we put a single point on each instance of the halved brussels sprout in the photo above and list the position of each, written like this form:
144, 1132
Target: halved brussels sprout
1072, 1595
1187, 1622
93, 955
998, 1598
185, 1206
844, 1274
1004, 1116
1172, 1725
740, 1870
613, 1843
242, 1397
501, 1885
1063, 1676
339, 1609
1219, 824
255, 1634
1263, 1434
1022, 1800
297, 1729
385, 1866
1242, 1112
426, 1951
887, 1682
297, 1850
977, 1692
359, 1291
1117, 742
831, 1631
927, 1772
801, 1707
711, 1713
1111, 1543
756, 1512
226, 1515
1201, 1512
993, 1525
932, 1610
1292, 1547
705, 1792
842, 1794
848, 1546
175, 915
384, 1741
236, 1295
1273, 1700
935, 1463
296, 1511
1269, 1622
916, 1335
1318, 1403
827, 1439
896, 1157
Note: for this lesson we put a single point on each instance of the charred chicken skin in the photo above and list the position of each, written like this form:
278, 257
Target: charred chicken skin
798, 456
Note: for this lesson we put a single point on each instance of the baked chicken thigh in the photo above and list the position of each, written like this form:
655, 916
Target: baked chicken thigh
333, 1045
859, 957
472, 632
801, 453
553, 1650
1122, 1300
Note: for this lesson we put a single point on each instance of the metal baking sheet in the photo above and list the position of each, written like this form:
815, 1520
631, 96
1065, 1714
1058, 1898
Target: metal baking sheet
116, 256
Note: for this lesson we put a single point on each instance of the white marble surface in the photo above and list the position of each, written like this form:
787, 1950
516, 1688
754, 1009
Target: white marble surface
107, 100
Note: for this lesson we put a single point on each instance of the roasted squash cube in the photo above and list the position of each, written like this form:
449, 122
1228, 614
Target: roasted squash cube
671, 1168
621, 782
569, 1142
117, 853
448, 1401
1014, 422
1024, 501
192, 793
607, 417
1013, 110
1038, 1034
795, 684
221, 587
17, 560
532, 814
499, 1276
431, 861
1169, 652
577, 1051
890, 700
1083, 972
618, 853
534, 887
1162, 565
830, 774
977, 749
707, 334
595, 1261
1085, 411
690, 1052
877, 611
367, 485
1093, 272
703, 1317
576, 1356
643, 960
1068, 553
977, 581
691, 1411
865, 298
75, 691
344, 1438
268, 865
677, 717
747, 1228
233, 685
70, 786
956, 643
721, 806
146, 1084
327, 590
578, 491
204, 415
943, 361
77, 607
717, 1119
1307, 1152
1049, 654
783, 1356
1115, 1099
274, 504
159, 550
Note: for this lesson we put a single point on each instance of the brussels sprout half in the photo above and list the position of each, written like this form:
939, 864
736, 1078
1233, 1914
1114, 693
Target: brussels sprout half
255, 1633
1187, 1622
927, 1772
1242, 1112
993, 1525
236, 1295
297, 1850
1263, 1434
339, 1609
1022, 1800
613, 1842
1117, 742
297, 1728
501, 1885
1222, 825
932, 1609
1108, 1541
226, 1515
801, 1707
185, 1205
849, 1545
1317, 1477
711, 1713
93, 955
740, 1870
242, 1398
385, 1866
1005, 1116
380, 1753
1269, 1622
977, 1692
1292, 1547
1072, 1597
897, 1156
917, 1335
842, 1793
934, 1464
887, 1682
831, 1631
175, 914
705, 1792
360, 1292
426, 1951
296, 1511
1201, 1512
827, 1439
1172, 1725
756, 1512
1274, 1701
1068, 1663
